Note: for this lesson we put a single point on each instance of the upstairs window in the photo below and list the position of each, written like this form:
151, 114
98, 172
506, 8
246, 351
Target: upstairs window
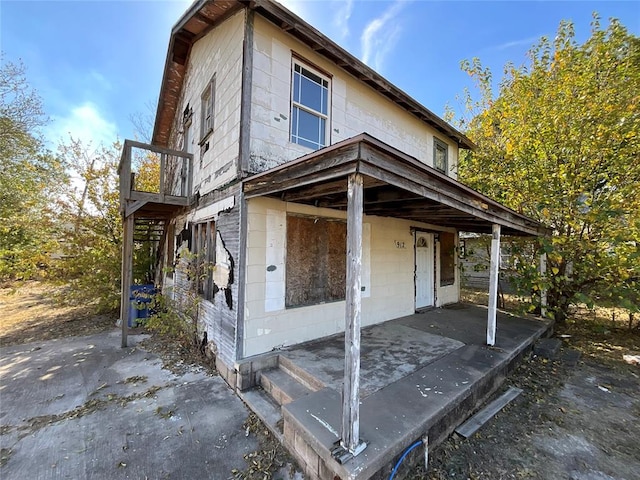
309, 107
440, 150
207, 110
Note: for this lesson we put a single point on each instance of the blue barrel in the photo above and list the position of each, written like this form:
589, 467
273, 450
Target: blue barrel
139, 299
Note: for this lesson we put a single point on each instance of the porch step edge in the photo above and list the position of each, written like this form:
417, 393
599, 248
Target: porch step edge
302, 376
473, 424
282, 387
265, 408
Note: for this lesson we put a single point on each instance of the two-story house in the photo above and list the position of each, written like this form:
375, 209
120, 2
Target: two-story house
325, 197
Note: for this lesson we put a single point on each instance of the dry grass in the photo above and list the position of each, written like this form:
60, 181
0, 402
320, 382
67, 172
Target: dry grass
30, 313
604, 334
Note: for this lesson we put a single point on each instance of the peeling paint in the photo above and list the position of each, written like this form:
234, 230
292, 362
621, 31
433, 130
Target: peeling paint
223, 271
325, 425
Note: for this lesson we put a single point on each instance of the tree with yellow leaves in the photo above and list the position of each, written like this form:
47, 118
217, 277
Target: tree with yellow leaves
560, 142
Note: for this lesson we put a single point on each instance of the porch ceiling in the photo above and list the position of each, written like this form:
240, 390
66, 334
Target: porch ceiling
395, 185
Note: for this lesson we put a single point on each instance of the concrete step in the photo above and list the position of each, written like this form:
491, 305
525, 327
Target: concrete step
547, 348
282, 387
301, 375
266, 409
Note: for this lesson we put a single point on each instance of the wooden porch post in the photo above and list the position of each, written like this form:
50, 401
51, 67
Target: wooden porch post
127, 267
351, 389
543, 291
493, 284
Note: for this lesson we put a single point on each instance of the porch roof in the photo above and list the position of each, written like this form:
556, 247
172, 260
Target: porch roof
395, 185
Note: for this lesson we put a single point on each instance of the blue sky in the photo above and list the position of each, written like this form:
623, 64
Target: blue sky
95, 63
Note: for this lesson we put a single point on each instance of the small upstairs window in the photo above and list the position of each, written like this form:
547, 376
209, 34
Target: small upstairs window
440, 160
309, 107
207, 109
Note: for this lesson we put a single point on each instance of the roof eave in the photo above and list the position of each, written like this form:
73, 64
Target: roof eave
294, 25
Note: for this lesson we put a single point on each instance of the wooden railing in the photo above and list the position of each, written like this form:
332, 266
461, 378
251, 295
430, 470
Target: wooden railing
150, 174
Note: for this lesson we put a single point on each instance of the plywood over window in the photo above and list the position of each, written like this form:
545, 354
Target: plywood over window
316, 260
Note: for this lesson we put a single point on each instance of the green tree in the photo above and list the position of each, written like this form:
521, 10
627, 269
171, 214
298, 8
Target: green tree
560, 142
92, 230
93, 225
31, 178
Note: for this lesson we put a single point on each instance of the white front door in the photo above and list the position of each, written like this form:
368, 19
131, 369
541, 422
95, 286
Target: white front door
424, 269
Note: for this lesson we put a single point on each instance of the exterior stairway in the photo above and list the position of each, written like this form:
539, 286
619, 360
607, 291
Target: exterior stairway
148, 207
277, 387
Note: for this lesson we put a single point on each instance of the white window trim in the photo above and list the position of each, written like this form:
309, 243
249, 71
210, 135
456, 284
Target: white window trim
301, 106
207, 99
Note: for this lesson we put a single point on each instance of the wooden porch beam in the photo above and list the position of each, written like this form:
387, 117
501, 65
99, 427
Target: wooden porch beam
350, 440
157, 198
163, 167
315, 191
494, 271
277, 185
127, 270
426, 188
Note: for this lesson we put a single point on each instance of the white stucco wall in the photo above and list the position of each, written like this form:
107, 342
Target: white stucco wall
354, 107
218, 53
388, 278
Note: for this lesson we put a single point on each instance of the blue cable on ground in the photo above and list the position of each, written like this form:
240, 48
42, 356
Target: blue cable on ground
406, 452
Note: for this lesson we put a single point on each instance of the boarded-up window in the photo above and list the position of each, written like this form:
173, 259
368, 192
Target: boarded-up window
316, 260
447, 259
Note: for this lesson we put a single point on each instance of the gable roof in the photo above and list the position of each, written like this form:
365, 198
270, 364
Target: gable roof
205, 15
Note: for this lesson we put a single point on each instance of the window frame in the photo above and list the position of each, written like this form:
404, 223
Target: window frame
447, 260
437, 143
294, 137
205, 250
207, 105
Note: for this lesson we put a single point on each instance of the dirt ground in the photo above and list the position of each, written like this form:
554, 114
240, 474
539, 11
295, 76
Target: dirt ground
572, 421
578, 422
29, 312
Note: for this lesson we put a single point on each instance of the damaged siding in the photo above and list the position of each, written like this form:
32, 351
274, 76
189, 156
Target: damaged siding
219, 315
355, 107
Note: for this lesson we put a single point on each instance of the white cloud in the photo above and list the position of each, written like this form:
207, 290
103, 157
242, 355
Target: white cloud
100, 80
516, 43
380, 36
83, 122
342, 16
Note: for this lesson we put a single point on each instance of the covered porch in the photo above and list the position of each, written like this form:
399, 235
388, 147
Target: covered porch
420, 377
364, 176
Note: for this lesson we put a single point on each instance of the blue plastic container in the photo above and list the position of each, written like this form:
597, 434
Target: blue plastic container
139, 299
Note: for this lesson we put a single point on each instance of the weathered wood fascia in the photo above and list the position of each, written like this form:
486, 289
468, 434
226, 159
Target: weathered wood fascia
381, 162
174, 71
244, 147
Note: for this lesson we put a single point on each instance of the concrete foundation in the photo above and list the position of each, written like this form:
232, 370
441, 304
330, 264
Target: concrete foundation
422, 375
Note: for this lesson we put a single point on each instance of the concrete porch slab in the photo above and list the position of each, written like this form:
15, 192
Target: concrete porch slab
388, 352
431, 399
